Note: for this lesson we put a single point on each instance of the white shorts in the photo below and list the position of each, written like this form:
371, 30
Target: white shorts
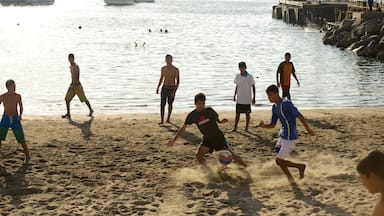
286, 147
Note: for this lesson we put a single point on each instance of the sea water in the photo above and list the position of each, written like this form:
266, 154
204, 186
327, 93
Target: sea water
120, 50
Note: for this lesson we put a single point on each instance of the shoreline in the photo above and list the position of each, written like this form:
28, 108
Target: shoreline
255, 109
121, 164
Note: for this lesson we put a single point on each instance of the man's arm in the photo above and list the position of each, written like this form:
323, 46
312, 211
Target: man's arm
254, 94
177, 82
21, 108
263, 125
294, 74
234, 95
277, 75
304, 122
160, 81
178, 134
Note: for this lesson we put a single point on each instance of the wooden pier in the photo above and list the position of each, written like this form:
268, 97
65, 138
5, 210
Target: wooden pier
320, 12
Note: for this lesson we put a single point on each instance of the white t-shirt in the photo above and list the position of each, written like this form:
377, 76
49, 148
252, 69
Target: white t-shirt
244, 88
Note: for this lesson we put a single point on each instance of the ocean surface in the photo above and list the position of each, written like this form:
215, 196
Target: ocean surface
206, 38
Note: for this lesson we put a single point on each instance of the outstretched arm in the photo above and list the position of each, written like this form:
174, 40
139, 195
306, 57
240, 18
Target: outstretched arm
304, 122
263, 125
178, 134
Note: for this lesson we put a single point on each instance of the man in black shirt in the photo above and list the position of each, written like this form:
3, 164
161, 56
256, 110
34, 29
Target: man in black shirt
206, 120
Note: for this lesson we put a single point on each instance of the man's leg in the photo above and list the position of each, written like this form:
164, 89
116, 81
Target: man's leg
68, 106
162, 106
26, 152
284, 164
89, 107
248, 117
203, 150
170, 107
237, 118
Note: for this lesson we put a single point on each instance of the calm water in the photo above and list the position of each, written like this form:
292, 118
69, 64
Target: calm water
207, 39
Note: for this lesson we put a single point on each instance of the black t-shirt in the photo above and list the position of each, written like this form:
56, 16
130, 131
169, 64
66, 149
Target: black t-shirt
206, 121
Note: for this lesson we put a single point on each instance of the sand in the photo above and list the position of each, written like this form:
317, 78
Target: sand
121, 165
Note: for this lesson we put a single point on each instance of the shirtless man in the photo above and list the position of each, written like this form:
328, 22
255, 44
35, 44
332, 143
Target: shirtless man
75, 88
170, 76
11, 117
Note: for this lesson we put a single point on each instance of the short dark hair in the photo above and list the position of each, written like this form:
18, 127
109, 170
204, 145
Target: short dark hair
9, 83
71, 55
373, 163
272, 89
199, 97
168, 55
242, 65
287, 54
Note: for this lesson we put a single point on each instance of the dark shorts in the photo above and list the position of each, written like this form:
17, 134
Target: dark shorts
166, 95
243, 108
216, 145
14, 123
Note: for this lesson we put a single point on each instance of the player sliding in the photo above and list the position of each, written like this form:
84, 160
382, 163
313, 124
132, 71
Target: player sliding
287, 113
206, 120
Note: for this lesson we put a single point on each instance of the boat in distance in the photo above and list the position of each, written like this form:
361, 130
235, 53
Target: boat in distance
119, 2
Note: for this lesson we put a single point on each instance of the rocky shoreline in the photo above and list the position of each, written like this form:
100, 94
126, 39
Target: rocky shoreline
365, 36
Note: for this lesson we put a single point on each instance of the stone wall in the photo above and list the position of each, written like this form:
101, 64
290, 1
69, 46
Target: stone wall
365, 35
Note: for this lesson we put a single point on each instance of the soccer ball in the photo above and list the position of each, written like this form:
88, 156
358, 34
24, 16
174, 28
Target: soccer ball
225, 157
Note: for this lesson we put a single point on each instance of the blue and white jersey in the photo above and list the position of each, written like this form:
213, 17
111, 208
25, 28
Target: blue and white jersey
287, 113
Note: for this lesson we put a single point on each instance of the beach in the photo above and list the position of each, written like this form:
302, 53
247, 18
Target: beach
121, 165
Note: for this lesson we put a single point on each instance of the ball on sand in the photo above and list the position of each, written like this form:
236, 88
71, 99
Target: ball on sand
225, 157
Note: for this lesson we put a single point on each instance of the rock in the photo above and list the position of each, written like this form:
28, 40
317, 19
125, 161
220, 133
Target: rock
372, 27
380, 56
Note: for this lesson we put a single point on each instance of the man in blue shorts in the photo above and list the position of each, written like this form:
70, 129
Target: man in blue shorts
206, 120
287, 113
11, 117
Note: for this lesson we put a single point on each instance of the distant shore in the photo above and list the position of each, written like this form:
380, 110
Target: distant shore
120, 164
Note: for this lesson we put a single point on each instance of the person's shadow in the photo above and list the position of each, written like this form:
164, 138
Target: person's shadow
85, 127
239, 194
14, 185
331, 209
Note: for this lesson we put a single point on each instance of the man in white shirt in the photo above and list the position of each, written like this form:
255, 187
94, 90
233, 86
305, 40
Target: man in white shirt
245, 87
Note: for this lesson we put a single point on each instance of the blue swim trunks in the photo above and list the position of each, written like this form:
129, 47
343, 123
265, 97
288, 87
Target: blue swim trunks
14, 123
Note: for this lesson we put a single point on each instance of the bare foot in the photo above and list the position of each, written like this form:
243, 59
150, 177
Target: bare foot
67, 115
90, 113
234, 130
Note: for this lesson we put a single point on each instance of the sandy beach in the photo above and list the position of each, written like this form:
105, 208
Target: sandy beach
121, 165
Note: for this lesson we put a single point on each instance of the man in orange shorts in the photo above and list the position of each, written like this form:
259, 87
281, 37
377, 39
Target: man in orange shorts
75, 88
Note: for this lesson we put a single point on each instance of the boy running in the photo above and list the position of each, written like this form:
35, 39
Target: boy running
287, 113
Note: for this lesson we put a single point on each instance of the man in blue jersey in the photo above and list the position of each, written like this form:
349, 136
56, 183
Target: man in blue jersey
287, 113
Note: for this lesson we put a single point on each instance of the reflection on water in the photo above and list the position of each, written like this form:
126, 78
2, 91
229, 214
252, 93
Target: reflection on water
207, 39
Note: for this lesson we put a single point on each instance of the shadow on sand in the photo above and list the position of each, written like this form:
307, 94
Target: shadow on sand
85, 127
331, 209
14, 185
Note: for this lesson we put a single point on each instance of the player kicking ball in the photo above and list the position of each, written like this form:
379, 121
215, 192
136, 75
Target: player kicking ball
286, 112
206, 120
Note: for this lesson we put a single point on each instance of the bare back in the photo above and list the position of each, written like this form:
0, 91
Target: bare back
75, 74
10, 101
170, 75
